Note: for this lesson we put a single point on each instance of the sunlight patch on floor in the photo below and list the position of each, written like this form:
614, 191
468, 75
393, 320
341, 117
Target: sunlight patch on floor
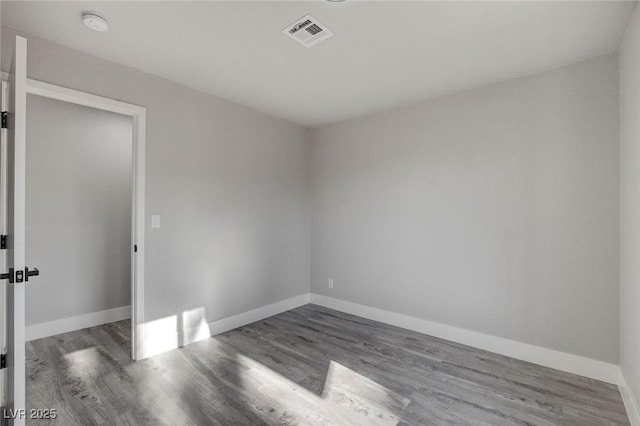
84, 363
347, 397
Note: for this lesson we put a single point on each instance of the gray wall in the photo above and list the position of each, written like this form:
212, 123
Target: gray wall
630, 205
78, 209
231, 185
494, 210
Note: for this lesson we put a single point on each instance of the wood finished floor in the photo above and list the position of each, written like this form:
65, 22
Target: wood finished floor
307, 366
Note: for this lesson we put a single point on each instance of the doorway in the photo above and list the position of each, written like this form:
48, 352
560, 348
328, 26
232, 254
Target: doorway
137, 117
78, 216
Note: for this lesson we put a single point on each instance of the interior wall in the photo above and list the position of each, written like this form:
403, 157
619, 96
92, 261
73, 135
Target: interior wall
494, 210
231, 186
630, 205
78, 207
407, 204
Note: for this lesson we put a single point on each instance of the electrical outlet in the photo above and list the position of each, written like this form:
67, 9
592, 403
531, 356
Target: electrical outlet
330, 283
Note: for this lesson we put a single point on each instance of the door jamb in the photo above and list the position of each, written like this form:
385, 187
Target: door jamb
138, 114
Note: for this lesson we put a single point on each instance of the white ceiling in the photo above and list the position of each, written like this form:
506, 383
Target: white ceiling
384, 53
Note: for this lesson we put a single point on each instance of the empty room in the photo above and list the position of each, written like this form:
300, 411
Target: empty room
320, 212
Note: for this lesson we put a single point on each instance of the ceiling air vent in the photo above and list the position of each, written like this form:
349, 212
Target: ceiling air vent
308, 31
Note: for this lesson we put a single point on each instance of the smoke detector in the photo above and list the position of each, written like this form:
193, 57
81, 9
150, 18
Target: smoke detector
95, 22
308, 31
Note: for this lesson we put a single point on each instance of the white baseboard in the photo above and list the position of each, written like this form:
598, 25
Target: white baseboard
551, 358
169, 333
229, 323
630, 401
65, 325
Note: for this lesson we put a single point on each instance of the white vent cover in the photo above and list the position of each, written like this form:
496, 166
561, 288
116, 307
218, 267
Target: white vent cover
308, 31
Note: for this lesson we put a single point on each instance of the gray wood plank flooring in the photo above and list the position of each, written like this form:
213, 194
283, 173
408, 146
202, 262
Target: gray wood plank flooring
307, 366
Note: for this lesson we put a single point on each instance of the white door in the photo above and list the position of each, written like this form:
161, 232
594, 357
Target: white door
3, 232
16, 271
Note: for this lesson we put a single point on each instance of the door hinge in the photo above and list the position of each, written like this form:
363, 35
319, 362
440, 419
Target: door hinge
5, 119
3, 361
3, 242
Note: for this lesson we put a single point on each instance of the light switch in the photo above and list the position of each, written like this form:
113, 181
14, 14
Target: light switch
155, 221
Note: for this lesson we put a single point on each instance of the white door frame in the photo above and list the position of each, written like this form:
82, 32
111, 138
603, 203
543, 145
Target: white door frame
138, 114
